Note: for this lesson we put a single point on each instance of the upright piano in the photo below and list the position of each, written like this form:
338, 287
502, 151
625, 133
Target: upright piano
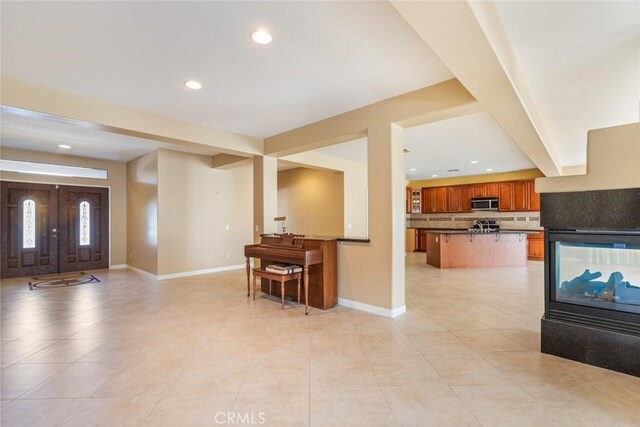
317, 255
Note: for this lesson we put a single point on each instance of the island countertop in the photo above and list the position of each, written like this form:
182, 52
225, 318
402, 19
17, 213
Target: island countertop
466, 231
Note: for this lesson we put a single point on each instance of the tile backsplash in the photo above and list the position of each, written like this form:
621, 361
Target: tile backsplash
508, 220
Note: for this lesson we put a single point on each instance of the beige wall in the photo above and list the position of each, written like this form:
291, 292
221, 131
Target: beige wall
196, 204
613, 162
410, 240
312, 200
355, 187
116, 182
142, 212
265, 195
355, 202
373, 273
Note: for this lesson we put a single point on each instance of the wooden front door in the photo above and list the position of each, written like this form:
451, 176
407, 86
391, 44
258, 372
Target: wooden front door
84, 228
29, 222
49, 229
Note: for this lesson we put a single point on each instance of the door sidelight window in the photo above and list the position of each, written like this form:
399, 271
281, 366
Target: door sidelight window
85, 223
28, 224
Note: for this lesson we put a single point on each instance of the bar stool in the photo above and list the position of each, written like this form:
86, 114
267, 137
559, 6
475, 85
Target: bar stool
282, 278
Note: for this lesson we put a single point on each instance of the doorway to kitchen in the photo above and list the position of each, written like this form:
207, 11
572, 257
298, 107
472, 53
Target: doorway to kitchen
48, 229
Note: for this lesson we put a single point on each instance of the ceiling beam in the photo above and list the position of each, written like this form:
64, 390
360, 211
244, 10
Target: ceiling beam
52, 104
229, 161
469, 39
438, 102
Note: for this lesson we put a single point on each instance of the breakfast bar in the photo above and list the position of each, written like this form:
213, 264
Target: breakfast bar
469, 249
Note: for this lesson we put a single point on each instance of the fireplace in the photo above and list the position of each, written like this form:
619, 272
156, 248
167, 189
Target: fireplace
592, 277
595, 278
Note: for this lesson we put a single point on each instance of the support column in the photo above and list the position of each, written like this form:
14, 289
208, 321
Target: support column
371, 276
265, 195
398, 195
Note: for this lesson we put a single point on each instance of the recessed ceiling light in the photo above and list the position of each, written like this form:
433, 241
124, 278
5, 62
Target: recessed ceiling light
473, 162
193, 84
489, 170
261, 37
65, 146
434, 176
412, 170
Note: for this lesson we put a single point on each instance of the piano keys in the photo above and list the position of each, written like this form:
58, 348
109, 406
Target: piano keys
316, 254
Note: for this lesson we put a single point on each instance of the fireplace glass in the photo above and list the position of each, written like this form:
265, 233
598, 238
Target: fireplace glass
601, 275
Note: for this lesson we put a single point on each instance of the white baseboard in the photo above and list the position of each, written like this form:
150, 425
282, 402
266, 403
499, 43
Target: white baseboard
199, 272
140, 271
187, 273
117, 267
372, 308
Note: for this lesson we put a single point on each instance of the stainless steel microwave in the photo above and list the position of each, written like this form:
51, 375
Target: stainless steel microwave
484, 204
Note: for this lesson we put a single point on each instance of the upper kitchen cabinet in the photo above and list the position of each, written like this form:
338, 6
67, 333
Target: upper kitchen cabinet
484, 190
478, 190
534, 198
513, 196
454, 199
434, 200
414, 200
505, 196
465, 198
520, 196
491, 189
407, 201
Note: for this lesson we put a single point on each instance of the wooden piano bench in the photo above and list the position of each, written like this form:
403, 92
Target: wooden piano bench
282, 278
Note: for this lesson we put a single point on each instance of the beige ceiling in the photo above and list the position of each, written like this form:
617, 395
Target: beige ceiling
40, 133
326, 57
582, 63
547, 72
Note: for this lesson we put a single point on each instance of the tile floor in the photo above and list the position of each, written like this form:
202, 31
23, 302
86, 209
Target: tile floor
195, 351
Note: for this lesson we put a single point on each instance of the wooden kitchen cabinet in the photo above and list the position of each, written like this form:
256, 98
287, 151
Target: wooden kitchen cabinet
421, 240
428, 200
478, 190
534, 198
434, 200
520, 196
407, 201
505, 196
454, 199
465, 198
491, 189
441, 199
535, 249
513, 196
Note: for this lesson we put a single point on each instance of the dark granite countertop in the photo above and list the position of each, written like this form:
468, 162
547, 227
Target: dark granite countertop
354, 239
466, 231
338, 238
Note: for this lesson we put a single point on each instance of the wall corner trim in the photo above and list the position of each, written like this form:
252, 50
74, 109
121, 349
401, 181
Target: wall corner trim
380, 311
143, 272
187, 273
117, 266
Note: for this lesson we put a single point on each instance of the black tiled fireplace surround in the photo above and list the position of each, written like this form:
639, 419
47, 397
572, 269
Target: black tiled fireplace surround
598, 336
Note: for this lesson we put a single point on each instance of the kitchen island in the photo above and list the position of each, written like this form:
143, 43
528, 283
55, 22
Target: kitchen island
468, 249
